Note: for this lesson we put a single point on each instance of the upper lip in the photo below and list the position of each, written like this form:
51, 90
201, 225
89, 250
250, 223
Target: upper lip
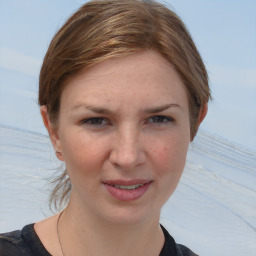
126, 182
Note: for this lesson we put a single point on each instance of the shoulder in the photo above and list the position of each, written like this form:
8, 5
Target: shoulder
170, 246
21, 243
11, 244
184, 251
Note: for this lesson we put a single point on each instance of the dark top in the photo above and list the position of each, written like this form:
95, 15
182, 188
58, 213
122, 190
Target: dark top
25, 242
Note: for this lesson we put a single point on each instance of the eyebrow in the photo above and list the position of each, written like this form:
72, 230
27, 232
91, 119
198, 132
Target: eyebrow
152, 110
99, 110
161, 108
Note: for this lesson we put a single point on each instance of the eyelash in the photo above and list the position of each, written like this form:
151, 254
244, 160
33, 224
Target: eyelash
99, 122
164, 120
94, 121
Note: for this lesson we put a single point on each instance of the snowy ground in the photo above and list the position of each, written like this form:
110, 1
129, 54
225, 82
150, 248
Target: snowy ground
213, 208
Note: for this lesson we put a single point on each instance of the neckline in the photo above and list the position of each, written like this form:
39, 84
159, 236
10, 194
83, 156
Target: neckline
36, 246
33, 241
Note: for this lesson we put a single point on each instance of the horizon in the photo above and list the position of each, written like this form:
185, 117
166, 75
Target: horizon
224, 32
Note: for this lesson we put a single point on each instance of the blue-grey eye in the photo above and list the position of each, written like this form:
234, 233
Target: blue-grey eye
160, 119
95, 121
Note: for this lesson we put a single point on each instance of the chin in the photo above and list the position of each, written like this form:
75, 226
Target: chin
130, 215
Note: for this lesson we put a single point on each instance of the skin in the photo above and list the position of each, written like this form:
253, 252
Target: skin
123, 119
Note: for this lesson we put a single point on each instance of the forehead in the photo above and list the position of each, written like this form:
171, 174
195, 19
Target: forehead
143, 76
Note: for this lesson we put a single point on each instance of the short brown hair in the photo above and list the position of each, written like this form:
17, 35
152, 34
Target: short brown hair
102, 29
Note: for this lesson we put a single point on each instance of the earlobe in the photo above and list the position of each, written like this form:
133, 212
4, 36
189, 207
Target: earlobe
52, 133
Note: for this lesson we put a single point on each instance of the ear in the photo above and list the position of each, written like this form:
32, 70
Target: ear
53, 133
202, 114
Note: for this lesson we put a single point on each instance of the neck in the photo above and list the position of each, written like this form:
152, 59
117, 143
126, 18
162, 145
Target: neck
80, 232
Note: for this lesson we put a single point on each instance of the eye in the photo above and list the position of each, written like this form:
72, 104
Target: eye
95, 121
160, 120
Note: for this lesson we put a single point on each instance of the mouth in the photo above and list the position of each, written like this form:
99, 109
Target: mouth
127, 190
128, 187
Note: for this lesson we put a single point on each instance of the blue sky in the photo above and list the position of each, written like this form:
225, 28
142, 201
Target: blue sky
223, 30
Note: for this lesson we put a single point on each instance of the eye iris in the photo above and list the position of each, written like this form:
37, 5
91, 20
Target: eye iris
96, 121
159, 119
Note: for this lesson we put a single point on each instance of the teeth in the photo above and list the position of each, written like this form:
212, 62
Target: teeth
128, 187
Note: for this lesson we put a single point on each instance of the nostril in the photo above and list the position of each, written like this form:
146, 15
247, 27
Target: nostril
127, 160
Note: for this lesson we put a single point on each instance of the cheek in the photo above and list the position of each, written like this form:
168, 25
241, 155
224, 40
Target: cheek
169, 162
83, 153
170, 157
162, 155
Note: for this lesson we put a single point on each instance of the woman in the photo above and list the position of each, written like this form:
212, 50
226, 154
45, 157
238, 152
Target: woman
122, 92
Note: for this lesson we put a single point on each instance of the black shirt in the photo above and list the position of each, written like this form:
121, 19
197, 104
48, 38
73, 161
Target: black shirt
25, 242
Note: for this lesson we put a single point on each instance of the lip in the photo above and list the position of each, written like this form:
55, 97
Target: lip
125, 194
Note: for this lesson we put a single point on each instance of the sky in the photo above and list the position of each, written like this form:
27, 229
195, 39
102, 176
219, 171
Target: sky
223, 30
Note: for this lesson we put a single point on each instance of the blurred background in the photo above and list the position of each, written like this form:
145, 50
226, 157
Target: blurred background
214, 206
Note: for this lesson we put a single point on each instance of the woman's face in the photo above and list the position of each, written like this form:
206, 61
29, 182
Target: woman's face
124, 132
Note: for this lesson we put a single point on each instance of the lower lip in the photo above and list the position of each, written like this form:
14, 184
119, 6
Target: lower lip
126, 194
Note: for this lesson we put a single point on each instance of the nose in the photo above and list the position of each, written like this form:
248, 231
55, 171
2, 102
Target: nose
127, 151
